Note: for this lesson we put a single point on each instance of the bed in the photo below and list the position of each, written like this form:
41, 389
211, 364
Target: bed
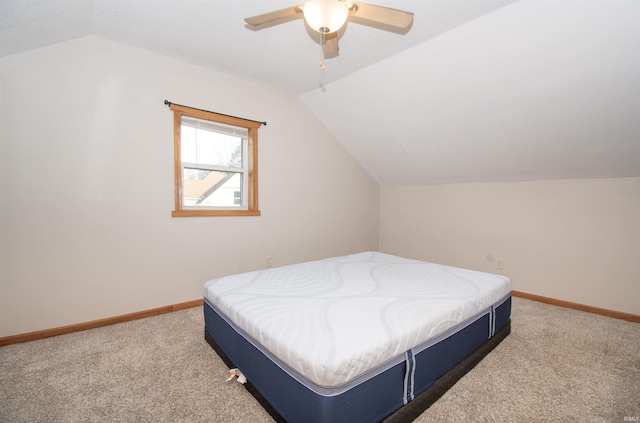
358, 338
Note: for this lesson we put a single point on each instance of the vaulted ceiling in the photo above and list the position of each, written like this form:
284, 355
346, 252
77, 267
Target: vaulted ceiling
476, 90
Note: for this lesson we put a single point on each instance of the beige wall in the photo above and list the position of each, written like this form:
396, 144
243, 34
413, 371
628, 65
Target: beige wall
87, 186
574, 240
86, 196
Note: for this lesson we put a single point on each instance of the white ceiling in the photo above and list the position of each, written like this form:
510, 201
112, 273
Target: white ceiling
213, 33
476, 90
535, 90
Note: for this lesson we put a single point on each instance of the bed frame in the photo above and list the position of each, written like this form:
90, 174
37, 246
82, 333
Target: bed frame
399, 394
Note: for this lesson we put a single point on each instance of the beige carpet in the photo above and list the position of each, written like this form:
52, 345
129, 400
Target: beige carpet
558, 365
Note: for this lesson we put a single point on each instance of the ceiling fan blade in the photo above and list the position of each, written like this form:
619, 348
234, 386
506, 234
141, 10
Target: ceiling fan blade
330, 46
266, 18
380, 14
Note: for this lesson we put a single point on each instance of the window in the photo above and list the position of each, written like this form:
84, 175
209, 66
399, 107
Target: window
215, 164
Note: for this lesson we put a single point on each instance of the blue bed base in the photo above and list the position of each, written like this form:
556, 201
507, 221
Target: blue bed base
375, 399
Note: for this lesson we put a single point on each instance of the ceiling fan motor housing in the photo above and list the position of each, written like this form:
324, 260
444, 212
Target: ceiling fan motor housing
325, 16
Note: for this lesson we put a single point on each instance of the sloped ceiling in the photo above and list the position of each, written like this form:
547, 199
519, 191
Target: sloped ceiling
476, 90
535, 90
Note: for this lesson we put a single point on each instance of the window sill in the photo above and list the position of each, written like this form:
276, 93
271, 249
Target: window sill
198, 213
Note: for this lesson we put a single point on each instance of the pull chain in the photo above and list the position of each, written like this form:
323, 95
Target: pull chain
322, 41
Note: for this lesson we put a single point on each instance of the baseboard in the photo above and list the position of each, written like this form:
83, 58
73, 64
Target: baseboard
46, 333
576, 306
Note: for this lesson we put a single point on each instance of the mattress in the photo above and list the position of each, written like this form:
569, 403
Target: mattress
336, 323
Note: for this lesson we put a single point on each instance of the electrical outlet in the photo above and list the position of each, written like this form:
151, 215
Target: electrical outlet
499, 263
268, 261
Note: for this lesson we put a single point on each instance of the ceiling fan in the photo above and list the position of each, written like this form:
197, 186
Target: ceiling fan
328, 16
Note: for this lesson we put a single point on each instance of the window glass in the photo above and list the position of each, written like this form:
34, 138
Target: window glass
213, 165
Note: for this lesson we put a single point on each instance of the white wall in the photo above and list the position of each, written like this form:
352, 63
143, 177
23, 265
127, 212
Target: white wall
574, 240
87, 186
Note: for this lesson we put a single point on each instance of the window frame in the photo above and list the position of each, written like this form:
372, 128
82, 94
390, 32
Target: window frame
252, 162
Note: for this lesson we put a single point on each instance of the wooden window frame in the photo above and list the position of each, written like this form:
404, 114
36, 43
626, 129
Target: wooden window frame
252, 159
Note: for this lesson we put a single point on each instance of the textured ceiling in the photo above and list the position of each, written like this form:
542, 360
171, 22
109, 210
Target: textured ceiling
213, 33
475, 91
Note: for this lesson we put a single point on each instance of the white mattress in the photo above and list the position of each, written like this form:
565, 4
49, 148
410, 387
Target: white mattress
333, 320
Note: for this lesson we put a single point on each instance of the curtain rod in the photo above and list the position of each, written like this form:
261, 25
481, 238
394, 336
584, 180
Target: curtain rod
168, 103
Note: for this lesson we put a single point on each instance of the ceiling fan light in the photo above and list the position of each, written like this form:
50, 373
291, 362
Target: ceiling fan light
325, 16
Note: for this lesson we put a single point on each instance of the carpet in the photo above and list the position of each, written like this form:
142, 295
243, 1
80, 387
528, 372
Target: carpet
556, 365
